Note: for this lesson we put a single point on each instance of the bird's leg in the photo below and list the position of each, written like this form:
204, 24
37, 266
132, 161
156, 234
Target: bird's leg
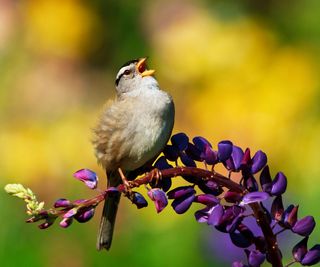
124, 181
156, 176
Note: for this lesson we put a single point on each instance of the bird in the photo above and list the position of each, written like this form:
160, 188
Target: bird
131, 132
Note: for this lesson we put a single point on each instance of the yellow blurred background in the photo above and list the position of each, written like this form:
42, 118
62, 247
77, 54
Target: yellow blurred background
247, 71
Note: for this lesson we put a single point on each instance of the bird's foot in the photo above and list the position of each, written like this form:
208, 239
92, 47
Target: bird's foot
125, 182
156, 177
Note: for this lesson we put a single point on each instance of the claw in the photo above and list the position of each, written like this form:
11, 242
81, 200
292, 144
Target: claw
156, 176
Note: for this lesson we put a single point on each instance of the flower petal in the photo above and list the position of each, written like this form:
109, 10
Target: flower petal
304, 226
87, 176
186, 160
85, 215
224, 150
181, 205
312, 257
139, 200
159, 197
259, 160
279, 184
207, 199
180, 192
265, 179
180, 141
254, 197
62, 203
300, 249
255, 258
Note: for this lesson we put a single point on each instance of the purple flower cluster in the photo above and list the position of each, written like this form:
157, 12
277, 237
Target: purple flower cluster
226, 208
226, 200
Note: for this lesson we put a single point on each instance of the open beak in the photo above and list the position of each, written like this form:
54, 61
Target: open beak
142, 68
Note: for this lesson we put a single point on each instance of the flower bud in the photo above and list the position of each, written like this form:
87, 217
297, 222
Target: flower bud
159, 198
87, 176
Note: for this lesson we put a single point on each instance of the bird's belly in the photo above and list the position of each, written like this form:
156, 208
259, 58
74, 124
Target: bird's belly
148, 138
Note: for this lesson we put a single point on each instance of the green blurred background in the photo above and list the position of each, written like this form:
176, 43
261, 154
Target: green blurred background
247, 71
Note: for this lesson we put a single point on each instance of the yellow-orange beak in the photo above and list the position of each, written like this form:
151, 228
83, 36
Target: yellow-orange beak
142, 68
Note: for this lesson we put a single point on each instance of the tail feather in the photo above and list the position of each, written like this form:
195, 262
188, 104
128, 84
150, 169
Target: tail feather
109, 214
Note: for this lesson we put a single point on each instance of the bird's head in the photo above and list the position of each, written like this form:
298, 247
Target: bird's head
134, 75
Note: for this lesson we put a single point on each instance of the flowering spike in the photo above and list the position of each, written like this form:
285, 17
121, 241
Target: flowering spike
304, 226
279, 184
224, 150
180, 141
87, 176
259, 160
159, 197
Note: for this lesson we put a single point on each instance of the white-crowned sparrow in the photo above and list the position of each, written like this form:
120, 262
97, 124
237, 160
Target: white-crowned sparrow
132, 130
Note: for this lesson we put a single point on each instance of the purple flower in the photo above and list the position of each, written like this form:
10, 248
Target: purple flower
210, 187
224, 150
180, 192
159, 197
183, 197
312, 257
180, 141
255, 258
259, 160
306, 257
232, 197
242, 237
87, 176
279, 184
304, 226
265, 179
300, 249
70, 213
62, 203
254, 197
234, 162
207, 199
85, 215
66, 222
206, 153
139, 200
289, 217
202, 215
182, 204
277, 209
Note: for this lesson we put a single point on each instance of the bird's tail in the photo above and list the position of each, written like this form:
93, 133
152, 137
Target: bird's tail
109, 213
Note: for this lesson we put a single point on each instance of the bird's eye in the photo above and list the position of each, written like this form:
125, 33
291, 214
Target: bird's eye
127, 72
